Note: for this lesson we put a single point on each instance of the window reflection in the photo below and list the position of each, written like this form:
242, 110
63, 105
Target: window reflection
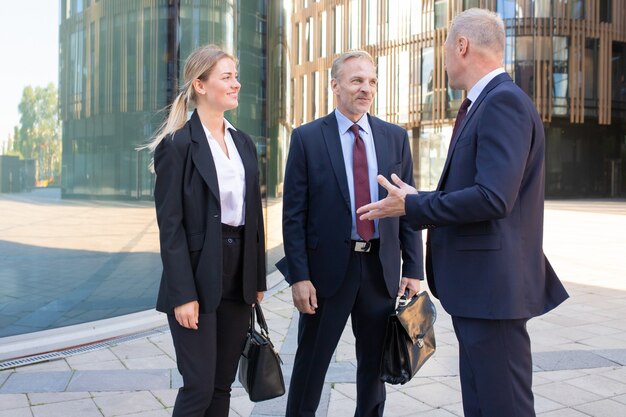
560, 81
86, 248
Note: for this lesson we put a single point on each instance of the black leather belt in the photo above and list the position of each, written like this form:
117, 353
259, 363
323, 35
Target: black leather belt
362, 246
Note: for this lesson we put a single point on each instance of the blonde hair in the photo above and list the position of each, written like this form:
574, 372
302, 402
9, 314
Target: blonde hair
341, 59
481, 26
198, 65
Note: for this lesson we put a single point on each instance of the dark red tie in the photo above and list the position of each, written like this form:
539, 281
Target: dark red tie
365, 228
459, 119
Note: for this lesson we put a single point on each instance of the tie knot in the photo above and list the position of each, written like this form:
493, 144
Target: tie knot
465, 105
355, 129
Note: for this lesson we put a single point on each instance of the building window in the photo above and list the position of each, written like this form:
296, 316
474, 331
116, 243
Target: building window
329, 92
304, 117
355, 23
577, 9
591, 77
372, 21
468, 4
322, 26
308, 38
507, 9
381, 96
618, 85
426, 82
441, 13
542, 8
402, 84
315, 103
416, 11
560, 81
524, 64
338, 29
296, 44
605, 11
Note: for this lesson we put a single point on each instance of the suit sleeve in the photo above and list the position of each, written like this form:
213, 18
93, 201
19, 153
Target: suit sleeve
177, 270
504, 136
410, 239
295, 211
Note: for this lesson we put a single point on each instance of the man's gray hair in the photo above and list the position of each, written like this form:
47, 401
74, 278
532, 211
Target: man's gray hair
482, 27
338, 62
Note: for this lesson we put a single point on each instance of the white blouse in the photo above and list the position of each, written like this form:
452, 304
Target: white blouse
231, 177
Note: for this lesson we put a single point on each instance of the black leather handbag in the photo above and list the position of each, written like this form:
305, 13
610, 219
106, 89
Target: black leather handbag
259, 366
409, 339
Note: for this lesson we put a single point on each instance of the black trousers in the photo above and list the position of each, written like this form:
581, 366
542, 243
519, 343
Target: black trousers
363, 296
496, 367
207, 358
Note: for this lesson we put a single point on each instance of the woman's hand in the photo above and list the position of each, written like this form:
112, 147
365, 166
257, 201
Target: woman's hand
187, 315
259, 296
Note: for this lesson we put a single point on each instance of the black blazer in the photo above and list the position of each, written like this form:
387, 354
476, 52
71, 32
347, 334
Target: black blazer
188, 210
317, 218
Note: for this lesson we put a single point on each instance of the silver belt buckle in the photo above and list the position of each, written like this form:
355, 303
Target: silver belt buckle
362, 246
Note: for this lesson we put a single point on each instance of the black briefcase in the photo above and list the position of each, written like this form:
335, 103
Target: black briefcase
409, 339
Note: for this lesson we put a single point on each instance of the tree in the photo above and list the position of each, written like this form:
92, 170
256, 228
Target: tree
39, 135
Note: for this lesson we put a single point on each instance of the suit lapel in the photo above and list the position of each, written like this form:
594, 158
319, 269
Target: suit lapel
202, 156
330, 132
382, 154
498, 79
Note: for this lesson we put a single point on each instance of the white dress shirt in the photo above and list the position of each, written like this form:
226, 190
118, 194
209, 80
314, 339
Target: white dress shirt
231, 177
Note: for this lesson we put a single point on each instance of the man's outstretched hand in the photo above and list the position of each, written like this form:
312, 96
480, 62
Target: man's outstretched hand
390, 206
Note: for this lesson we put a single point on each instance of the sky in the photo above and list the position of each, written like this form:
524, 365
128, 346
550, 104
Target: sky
29, 53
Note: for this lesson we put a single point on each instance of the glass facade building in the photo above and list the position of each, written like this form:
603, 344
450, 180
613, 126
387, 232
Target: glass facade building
88, 249
568, 55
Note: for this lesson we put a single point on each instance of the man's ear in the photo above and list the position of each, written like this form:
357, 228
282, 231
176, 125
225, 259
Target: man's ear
462, 45
334, 85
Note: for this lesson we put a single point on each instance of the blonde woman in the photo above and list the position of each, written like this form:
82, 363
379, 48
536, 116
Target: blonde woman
211, 233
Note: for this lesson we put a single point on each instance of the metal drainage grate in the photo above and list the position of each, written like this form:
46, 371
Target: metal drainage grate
60, 354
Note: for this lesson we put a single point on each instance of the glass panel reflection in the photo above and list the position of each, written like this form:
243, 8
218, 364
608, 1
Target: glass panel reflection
79, 237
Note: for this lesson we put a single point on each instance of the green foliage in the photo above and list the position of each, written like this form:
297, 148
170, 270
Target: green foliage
38, 136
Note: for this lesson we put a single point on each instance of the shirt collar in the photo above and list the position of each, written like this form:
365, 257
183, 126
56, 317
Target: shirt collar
478, 88
344, 123
228, 125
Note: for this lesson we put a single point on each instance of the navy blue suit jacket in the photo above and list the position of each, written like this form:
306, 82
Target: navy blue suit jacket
484, 255
317, 218
187, 200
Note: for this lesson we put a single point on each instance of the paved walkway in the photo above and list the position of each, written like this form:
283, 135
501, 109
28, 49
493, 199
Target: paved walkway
579, 349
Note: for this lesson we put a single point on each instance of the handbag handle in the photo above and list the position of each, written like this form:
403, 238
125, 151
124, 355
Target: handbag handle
260, 318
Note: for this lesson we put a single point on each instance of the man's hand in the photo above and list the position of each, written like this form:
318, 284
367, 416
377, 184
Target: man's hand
390, 206
187, 315
304, 297
411, 284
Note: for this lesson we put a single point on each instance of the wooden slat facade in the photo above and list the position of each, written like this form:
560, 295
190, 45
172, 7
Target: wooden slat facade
541, 21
